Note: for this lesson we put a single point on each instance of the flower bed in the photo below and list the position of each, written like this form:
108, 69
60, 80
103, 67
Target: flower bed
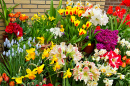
44, 54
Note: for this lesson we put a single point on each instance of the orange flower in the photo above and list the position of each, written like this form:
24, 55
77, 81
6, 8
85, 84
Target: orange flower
12, 19
26, 17
4, 75
67, 12
11, 15
124, 58
71, 12
12, 83
6, 78
1, 79
124, 64
18, 13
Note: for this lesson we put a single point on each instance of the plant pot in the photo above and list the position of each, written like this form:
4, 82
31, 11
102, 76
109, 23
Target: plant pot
79, 49
89, 49
4, 36
45, 46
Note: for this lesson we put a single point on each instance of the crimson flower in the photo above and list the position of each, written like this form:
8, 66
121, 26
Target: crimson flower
49, 84
110, 10
126, 3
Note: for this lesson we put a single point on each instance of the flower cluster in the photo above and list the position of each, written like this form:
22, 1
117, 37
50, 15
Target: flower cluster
61, 52
5, 77
14, 28
38, 17
86, 71
106, 39
126, 3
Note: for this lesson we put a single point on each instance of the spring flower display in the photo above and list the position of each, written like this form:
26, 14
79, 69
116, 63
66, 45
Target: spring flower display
53, 49
107, 39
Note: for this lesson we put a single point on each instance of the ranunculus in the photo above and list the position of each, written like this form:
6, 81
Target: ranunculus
9, 29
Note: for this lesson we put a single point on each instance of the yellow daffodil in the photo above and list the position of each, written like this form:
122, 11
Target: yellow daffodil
35, 16
32, 18
31, 54
41, 39
45, 53
31, 74
43, 17
80, 13
76, 23
57, 66
61, 11
83, 26
61, 26
18, 79
51, 18
72, 19
62, 29
67, 12
67, 73
82, 31
52, 45
39, 69
54, 59
88, 24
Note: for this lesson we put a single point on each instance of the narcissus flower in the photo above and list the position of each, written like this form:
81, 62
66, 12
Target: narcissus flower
45, 53
31, 74
62, 29
31, 54
82, 31
51, 18
88, 24
18, 79
72, 19
40, 69
76, 23
57, 66
41, 39
61, 11
67, 73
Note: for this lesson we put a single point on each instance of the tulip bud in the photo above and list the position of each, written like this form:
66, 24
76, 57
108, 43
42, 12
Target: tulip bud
6, 79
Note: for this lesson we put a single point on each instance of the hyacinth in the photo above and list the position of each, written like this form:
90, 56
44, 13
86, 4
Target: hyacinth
106, 39
86, 71
61, 52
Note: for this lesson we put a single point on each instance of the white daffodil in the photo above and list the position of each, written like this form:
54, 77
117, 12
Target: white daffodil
121, 76
88, 4
108, 82
128, 46
96, 6
87, 13
78, 3
128, 53
102, 51
117, 51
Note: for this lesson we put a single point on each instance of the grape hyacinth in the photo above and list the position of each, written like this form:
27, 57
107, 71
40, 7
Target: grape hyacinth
106, 39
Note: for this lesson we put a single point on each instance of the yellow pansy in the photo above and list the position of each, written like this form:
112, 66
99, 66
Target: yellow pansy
61, 11
31, 74
18, 79
67, 73
88, 24
45, 53
76, 23
41, 39
82, 31
51, 18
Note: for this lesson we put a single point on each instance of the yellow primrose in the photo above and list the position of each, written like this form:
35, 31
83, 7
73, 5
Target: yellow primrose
61, 11
57, 66
62, 29
67, 73
83, 26
18, 79
82, 31
31, 74
41, 39
39, 69
88, 24
72, 19
76, 23
51, 18
45, 53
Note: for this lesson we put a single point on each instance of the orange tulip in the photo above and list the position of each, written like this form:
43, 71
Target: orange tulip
26, 17
1, 79
16, 15
12, 19
6, 79
11, 15
124, 58
128, 61
124, 64
12, 83
4, 75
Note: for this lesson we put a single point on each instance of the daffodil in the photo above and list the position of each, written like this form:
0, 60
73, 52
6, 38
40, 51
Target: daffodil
31, 74
67, 73
88, 24
82, 31
41, 39
76, 23
35, 16
72, 19
62, 29
52, 45
43, 17
61, 11
39, 69
18, 79
32, 18
54, 59
51, 18
57, 66
31, 54
45, 53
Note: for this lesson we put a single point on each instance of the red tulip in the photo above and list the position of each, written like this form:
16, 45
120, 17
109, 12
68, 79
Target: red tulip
6, 79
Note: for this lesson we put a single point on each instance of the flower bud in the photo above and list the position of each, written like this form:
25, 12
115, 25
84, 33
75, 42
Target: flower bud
40, 83
28, 42
30, 38
39, 46
24, 46
4, 44
13, 54
4, 53
7, 54
36, 46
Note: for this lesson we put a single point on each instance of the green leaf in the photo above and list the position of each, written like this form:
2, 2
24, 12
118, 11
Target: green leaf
51, 8
10, 9
85, 45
